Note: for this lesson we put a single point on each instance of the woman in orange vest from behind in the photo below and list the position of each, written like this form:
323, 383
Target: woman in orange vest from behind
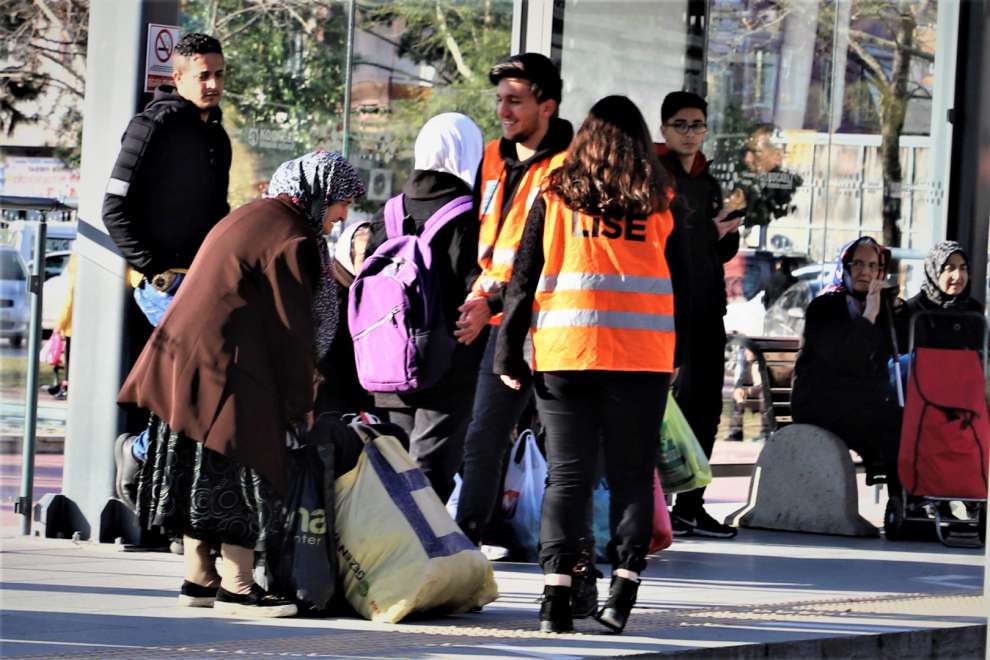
591, 283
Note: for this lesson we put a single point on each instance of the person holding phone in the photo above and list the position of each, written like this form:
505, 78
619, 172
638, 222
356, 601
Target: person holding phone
705, 236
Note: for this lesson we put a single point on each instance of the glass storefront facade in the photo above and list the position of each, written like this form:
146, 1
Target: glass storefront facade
826, 122
287, 74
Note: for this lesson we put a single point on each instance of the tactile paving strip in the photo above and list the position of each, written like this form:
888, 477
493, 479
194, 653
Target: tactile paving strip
405, 640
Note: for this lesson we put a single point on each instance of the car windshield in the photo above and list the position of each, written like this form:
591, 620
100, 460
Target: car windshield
10, 267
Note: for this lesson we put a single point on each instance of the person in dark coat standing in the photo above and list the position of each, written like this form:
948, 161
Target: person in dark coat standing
702, 241
841, 379
229, 368
448, 150
167, 190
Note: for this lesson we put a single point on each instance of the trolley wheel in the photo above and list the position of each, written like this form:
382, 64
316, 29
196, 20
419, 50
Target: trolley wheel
893, 519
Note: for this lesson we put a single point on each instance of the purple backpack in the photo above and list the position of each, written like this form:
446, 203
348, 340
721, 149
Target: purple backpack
395, 310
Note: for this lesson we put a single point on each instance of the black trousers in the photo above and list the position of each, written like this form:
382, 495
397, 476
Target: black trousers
582, 410
436, 429
698, 392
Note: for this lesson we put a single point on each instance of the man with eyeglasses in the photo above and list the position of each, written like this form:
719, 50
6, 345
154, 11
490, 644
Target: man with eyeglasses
705, 236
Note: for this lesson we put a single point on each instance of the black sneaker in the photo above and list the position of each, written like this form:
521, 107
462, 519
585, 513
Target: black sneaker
680, 528
196, 595
128, 470
256, 604
701, 524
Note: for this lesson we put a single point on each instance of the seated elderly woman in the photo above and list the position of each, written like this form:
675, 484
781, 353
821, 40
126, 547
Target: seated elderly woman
841, 380
946, 288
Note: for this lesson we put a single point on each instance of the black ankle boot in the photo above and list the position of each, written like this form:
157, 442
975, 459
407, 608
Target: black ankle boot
555, 610
621, 598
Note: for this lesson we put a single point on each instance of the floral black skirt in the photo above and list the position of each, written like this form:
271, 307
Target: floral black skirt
187, 489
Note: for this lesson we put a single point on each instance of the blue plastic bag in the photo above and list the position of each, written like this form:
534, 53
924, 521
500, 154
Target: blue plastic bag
905, 362
154, 303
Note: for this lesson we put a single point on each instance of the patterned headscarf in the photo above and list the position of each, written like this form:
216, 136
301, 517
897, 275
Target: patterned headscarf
313, 182
934, 264
841, 280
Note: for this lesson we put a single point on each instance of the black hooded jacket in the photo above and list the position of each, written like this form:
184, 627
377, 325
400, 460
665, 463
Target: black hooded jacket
694, 252
558, 138
169, 184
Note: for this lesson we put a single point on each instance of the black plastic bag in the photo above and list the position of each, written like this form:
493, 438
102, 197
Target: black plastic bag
303, 560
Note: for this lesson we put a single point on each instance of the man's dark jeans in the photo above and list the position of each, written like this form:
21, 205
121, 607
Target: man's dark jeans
496, 410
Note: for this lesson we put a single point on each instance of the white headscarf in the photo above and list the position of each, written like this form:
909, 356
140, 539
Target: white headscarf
452, 143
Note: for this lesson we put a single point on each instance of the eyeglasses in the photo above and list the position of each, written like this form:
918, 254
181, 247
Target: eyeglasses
682, 127
857, 264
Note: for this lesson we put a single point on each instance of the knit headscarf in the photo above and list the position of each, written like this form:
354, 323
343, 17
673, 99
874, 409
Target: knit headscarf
934, 264
313, 182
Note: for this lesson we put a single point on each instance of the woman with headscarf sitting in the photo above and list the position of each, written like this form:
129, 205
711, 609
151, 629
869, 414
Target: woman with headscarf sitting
946, 288
841, 380
229, 368
448, 151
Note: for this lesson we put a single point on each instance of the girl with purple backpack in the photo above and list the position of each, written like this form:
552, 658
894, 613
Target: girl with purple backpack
435, 417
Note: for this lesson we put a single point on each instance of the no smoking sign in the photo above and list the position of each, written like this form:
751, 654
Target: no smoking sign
158, 58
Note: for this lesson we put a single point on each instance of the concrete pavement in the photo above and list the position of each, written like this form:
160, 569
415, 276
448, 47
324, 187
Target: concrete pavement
765, 594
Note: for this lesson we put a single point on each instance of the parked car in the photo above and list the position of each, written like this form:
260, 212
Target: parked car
14, 311
55, 263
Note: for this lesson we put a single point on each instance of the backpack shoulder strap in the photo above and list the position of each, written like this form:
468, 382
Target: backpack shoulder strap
445, 214
394, 214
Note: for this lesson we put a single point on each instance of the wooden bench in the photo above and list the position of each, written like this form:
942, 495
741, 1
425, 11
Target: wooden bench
775, 358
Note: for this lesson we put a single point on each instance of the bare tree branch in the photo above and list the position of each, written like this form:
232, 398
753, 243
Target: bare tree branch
892, 45
871, 62
455, 50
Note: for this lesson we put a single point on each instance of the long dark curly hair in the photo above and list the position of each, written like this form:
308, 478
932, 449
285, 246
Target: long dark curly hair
611, 168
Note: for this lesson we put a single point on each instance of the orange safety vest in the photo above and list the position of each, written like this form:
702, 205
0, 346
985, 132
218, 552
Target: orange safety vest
604, 299
499, 237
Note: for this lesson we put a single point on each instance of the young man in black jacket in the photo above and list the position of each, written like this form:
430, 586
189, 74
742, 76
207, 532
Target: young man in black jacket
702, 241
167, 190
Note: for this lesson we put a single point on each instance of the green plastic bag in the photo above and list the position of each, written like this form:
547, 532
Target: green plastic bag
681, 463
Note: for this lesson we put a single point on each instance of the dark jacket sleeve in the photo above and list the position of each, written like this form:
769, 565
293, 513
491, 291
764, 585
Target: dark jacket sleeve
519, 296
118, 203
291, 275
728, 246
463, 251
677, 253
848, 345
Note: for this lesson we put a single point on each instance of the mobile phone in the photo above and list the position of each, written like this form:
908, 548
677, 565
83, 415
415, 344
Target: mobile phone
738, 213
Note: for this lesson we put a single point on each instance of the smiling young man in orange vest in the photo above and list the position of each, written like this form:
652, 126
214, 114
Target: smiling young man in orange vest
528, 89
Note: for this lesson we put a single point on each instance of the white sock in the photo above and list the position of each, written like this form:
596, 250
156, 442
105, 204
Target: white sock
627, 574
557, 580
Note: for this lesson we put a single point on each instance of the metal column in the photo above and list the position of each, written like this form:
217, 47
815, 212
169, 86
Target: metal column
114, 80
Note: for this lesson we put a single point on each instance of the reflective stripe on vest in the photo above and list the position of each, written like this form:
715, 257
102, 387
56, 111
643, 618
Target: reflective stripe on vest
499, 236
604, 299
602, 282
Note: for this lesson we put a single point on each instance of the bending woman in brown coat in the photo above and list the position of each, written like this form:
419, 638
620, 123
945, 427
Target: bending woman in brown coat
229, 368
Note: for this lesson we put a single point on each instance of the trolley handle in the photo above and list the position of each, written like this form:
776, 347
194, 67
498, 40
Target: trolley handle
938, 313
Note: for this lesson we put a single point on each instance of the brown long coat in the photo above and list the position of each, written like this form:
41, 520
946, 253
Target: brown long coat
231, 362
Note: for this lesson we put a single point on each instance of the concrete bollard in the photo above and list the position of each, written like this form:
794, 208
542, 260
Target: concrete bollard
804, 481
